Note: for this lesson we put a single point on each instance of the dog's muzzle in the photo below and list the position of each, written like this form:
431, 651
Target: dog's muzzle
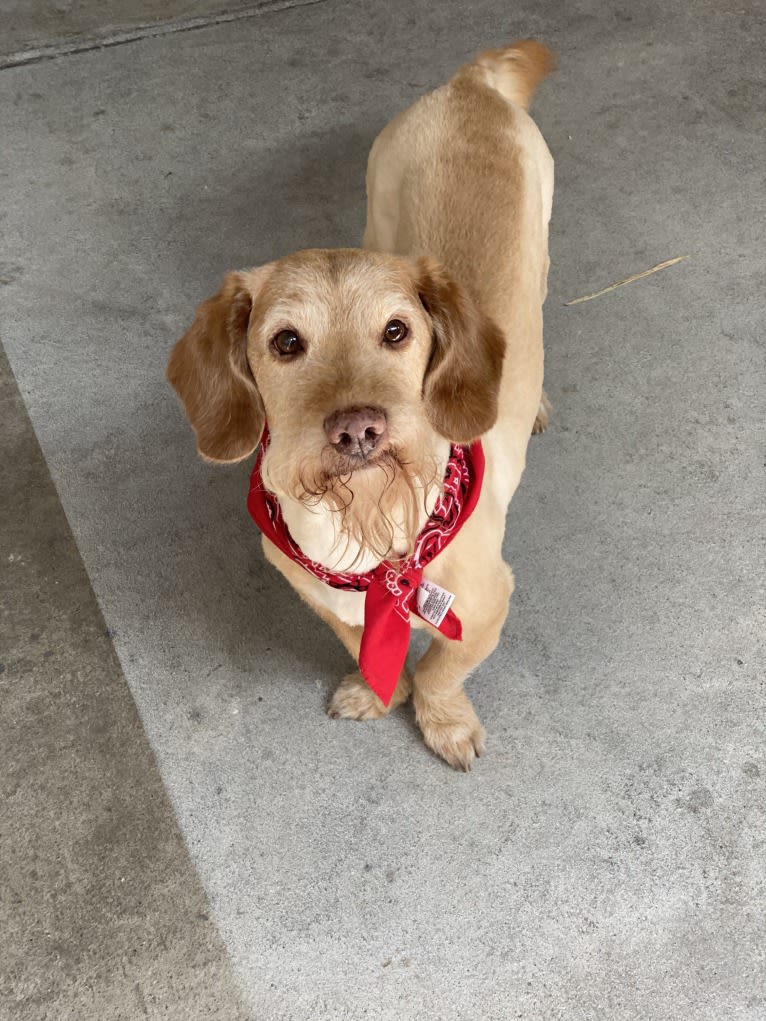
357, 433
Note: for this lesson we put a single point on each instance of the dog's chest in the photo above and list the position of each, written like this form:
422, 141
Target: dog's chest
315, 530
347, 606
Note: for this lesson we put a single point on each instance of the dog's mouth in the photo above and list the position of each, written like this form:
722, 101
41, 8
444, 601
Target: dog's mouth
336, 472
355, 459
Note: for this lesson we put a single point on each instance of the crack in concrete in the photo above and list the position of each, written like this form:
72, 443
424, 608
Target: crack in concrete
84, 44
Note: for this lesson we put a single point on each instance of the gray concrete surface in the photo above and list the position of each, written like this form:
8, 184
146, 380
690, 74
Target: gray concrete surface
102, 916
40, 30
606, 860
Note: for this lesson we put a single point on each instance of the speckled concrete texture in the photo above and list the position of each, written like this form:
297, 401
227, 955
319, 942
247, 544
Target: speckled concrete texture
606, 860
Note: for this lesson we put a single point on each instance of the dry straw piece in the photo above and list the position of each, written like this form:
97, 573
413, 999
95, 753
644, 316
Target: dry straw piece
628, 280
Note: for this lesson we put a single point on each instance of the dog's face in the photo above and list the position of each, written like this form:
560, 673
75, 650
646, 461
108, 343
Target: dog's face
335, 343
362, 365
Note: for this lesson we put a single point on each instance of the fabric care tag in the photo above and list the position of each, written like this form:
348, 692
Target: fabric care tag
433, 602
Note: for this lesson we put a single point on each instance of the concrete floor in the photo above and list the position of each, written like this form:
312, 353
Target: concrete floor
607, 859
102, 915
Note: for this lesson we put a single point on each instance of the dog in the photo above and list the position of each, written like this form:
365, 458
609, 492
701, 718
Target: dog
392, 391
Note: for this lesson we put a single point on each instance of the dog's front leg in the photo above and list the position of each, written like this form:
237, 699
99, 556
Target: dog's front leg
353, 699
444, 713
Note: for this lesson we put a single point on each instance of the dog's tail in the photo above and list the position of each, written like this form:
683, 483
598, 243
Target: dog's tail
515, 71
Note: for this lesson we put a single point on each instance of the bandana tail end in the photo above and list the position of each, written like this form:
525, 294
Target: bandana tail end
385, 642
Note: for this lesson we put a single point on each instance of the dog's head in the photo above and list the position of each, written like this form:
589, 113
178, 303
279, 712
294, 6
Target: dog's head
362, 364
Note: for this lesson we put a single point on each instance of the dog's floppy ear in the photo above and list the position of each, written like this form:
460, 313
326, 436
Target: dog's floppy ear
462, 381
209, 371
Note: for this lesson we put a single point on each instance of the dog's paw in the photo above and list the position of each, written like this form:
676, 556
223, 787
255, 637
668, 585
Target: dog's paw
354, 700
452, 731
543, 415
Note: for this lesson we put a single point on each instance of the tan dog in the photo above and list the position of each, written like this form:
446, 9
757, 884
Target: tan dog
368, 365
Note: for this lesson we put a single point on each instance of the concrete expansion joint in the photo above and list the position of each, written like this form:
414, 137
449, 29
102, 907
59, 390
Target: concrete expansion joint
86, 43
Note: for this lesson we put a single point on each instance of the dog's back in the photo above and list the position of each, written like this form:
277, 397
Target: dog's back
464, 175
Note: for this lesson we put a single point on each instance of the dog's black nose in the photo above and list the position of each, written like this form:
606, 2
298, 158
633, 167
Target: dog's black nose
356, 431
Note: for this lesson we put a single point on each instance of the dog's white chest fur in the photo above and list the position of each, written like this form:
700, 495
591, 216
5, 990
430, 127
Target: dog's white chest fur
316, 530
347, 606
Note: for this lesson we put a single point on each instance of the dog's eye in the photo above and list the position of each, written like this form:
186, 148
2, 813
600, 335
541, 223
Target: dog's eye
287, 342
395, 332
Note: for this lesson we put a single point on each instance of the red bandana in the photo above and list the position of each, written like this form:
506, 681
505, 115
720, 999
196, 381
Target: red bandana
391, 587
